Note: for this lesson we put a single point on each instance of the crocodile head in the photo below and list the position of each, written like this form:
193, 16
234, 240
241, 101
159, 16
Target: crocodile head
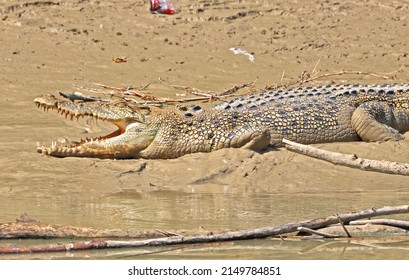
133, 135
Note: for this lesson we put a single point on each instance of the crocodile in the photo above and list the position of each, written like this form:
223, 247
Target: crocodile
305, 114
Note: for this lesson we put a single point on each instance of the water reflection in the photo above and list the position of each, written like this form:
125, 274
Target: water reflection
252, 249
167, 209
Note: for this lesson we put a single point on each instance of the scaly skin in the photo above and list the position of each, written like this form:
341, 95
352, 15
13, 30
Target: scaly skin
332, 113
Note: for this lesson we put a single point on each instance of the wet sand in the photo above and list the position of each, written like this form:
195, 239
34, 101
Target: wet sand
50, 46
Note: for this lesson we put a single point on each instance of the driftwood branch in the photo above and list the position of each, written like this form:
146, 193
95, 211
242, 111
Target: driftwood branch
385, 222
207, 238
350, 160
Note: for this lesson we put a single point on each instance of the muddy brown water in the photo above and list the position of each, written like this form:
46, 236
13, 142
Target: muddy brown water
48, 48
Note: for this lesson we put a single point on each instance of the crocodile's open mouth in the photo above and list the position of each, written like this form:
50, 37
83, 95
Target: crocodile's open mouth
68, 114
131, 136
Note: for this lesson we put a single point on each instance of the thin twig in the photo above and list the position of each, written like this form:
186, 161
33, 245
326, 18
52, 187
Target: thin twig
168, 233
213, 95
347, 72
282, 76
343, 227
314, 70
142, 88
313, 76
234, 89
126, 91
311, 231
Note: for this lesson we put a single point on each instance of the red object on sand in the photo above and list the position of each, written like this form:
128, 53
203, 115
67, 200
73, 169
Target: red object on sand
162, 7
